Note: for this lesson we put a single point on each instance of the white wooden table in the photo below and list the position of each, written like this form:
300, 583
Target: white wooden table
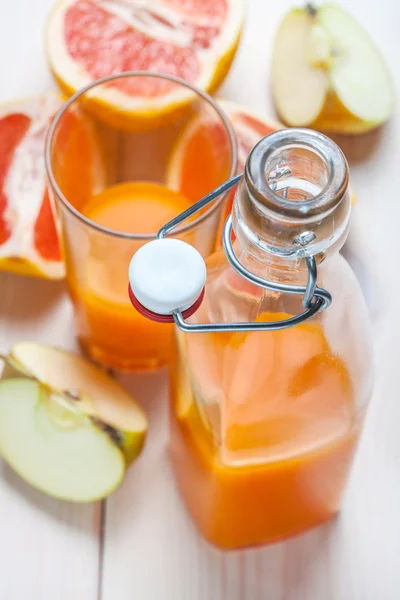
140, 543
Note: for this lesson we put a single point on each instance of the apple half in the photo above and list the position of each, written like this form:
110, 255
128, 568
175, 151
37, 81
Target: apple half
66, 427
327, 73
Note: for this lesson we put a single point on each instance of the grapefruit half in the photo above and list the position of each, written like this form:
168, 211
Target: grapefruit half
29, 235
195, 40
197, 164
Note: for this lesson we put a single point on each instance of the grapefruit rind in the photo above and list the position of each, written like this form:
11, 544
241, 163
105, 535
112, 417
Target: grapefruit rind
33, 244
25, 190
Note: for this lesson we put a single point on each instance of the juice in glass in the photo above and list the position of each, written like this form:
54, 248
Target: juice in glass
105, 318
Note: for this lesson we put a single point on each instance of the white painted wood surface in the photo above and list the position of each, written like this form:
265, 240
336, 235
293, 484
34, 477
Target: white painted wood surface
148, 549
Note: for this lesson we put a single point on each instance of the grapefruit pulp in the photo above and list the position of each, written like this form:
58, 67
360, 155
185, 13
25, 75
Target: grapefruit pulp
195, 40
29, 235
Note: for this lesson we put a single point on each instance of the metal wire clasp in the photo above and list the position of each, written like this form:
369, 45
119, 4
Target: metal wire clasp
314, 297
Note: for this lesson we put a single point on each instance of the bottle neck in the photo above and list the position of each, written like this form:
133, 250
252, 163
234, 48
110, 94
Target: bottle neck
292, 201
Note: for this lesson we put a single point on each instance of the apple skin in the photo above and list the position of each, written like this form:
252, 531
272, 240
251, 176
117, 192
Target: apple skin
54, 446
129, 442
335, 118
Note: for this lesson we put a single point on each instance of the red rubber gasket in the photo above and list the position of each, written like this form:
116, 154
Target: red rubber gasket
149, 314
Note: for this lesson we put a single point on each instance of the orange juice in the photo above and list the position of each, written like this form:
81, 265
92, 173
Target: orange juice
108, 326
263, 432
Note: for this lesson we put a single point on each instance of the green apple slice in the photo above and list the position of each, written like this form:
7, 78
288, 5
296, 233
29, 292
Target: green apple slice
100, 397
299, 88
358, 73
327, 72
54, 445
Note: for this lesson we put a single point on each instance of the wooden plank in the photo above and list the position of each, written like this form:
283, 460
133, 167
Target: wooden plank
151, 549
48, 548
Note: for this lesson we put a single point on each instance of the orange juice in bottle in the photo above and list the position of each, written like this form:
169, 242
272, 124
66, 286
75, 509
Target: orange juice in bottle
271, 379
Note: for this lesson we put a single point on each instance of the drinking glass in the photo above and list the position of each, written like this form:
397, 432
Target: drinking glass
185, 144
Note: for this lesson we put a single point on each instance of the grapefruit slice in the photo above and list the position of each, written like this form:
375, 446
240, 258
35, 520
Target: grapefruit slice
192, 39
29, 236
198, 165
29, 241
249, 129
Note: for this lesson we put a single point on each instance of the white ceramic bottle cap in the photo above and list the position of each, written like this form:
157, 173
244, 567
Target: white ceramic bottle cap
167, 275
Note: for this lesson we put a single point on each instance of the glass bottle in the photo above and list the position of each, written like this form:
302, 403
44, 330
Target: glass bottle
265, 423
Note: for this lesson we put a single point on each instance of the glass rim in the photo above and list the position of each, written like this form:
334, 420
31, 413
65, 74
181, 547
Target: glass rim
113, 232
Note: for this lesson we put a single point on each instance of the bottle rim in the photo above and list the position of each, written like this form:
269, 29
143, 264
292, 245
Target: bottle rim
267, 152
